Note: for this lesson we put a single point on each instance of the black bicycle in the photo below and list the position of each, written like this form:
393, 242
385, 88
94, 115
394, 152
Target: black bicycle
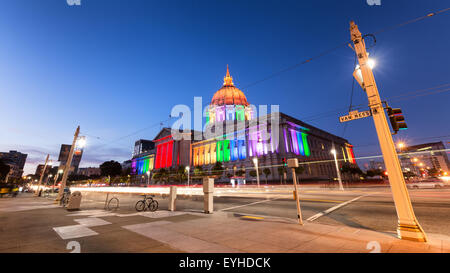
147, 203
64, 199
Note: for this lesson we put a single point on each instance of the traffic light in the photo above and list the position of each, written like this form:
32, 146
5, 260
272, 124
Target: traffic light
284, 162
397, 119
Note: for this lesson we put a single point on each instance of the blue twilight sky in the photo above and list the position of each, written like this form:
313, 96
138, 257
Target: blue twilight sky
115, 67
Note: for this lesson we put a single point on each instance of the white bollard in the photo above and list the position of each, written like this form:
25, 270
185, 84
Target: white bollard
208, 191
172, 198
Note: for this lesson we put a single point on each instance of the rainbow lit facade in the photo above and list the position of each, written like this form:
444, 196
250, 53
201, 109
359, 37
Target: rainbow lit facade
142, 165
290, 138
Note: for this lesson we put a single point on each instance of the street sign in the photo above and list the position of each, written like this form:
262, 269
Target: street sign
355, 115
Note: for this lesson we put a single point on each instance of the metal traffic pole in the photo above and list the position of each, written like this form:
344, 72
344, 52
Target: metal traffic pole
293, 163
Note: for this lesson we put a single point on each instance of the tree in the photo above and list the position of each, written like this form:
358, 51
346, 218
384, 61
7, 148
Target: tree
126, 171
252, 173
198, 171
229, 175
351, 169
281, 172
217, 169
266, 173
180, 173
161, 175
4, 169
299, 170
110, 168
240, 172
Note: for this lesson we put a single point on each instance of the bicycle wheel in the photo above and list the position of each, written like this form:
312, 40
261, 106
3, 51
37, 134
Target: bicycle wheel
153, 206
113, 203
140, 205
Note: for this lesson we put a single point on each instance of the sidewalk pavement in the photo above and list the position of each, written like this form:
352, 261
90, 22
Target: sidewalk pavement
37, 225
229, 232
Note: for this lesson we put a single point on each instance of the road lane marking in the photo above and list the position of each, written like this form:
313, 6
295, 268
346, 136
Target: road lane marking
254, 203
252, 217
314, 217
322, 200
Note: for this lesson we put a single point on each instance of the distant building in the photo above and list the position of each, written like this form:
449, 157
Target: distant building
89, 171
48, 170
419, 158
143, 146
40, 169
126, 164
64, 156
376, 165
16, 161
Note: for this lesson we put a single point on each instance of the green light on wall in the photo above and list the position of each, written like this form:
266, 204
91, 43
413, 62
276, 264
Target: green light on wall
223, 151
146, 163
240, 113
226, 150
305, 144
219, 152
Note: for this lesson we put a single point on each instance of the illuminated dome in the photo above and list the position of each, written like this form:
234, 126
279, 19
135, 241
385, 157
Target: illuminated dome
229, 94
229, 103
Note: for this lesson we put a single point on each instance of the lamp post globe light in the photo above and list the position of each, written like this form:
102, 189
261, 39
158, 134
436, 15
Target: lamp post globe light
255, 161
187, 170
148, 177
341, 187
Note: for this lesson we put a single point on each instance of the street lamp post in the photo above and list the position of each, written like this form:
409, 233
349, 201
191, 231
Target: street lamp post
408, 225
42, 176
255, 161
187, 170
67, 166
333, 151
56, 179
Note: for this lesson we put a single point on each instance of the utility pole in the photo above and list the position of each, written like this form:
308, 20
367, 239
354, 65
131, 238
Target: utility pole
42, 176
408, 226
67, 166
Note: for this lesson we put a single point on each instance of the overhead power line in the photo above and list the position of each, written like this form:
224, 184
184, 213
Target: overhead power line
326, 52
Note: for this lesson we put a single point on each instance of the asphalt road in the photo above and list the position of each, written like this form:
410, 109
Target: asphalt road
374, 208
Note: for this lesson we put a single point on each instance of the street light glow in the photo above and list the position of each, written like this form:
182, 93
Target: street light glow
81, 143
333, 151
371, 63
255, 160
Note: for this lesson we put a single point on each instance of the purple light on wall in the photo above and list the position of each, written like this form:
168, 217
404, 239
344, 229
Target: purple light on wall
294, 141
133, 165
286, 140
